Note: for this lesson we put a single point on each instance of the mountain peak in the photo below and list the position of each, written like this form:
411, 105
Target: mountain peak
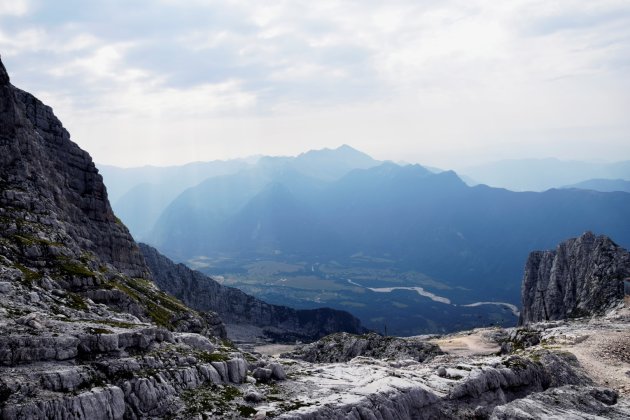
343, 150
4, 76
590, 283
347, 148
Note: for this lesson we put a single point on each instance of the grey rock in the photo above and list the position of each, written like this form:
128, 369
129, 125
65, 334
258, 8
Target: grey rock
24, 349
100, 403
582, 277
196, 341
262, 374
237, 370
277, 372
569, 401
222, 370
253, 396
441, 371
342, 347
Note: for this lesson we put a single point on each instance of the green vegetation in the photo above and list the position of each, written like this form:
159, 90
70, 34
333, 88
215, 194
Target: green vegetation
73, 269
29, 240
76, 301
160, 306
210, 398
159, 315
246, 411
208, 357
29, 275
515, 363
227, 343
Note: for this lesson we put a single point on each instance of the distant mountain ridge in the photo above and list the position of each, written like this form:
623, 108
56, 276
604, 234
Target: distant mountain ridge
543, 174
603, 185
140, 195
433, 223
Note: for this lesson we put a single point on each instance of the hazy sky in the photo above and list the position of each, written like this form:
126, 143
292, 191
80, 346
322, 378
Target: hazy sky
444, 83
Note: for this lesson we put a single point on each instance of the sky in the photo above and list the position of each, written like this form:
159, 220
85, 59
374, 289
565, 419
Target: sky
448, 83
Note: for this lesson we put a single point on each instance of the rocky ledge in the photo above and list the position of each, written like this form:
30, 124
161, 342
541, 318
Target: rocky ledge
552, 376
343, 347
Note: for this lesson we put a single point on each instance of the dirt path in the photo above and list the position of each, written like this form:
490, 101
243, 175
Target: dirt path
274, 349
467, 344
605, 356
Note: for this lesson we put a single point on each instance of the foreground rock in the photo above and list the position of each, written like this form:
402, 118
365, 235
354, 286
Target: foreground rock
532, 381
566, 402
342, 347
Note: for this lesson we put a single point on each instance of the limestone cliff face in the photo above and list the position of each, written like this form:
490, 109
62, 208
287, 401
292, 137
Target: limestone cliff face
52, 186
583, 276
84, 333
280, 322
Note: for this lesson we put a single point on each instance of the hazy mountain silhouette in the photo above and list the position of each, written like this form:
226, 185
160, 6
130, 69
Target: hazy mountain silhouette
604, 185
140, 195
474, 237
543, 174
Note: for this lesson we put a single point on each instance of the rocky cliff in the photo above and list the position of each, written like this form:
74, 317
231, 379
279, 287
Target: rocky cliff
50, 187
583, 276
84, 333
235, 307
56, 225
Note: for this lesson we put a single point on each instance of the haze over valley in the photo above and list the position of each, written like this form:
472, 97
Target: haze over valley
393, 244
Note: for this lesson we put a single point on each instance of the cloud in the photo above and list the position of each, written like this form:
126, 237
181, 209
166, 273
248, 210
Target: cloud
439, 76
14, 7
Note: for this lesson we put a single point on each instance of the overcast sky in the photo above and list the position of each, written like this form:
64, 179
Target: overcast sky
445, 83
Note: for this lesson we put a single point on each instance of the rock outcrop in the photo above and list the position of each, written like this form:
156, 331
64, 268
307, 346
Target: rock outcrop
582, 277
278, 322
58, 234
50, 187
84, 333
342, 347
565, 402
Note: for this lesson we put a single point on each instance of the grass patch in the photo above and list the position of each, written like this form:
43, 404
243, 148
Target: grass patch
227, 343
210, 398
29, 275
159, 315
208, 357
246, 411
76, 301
73, 269
28, 240
159, 305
